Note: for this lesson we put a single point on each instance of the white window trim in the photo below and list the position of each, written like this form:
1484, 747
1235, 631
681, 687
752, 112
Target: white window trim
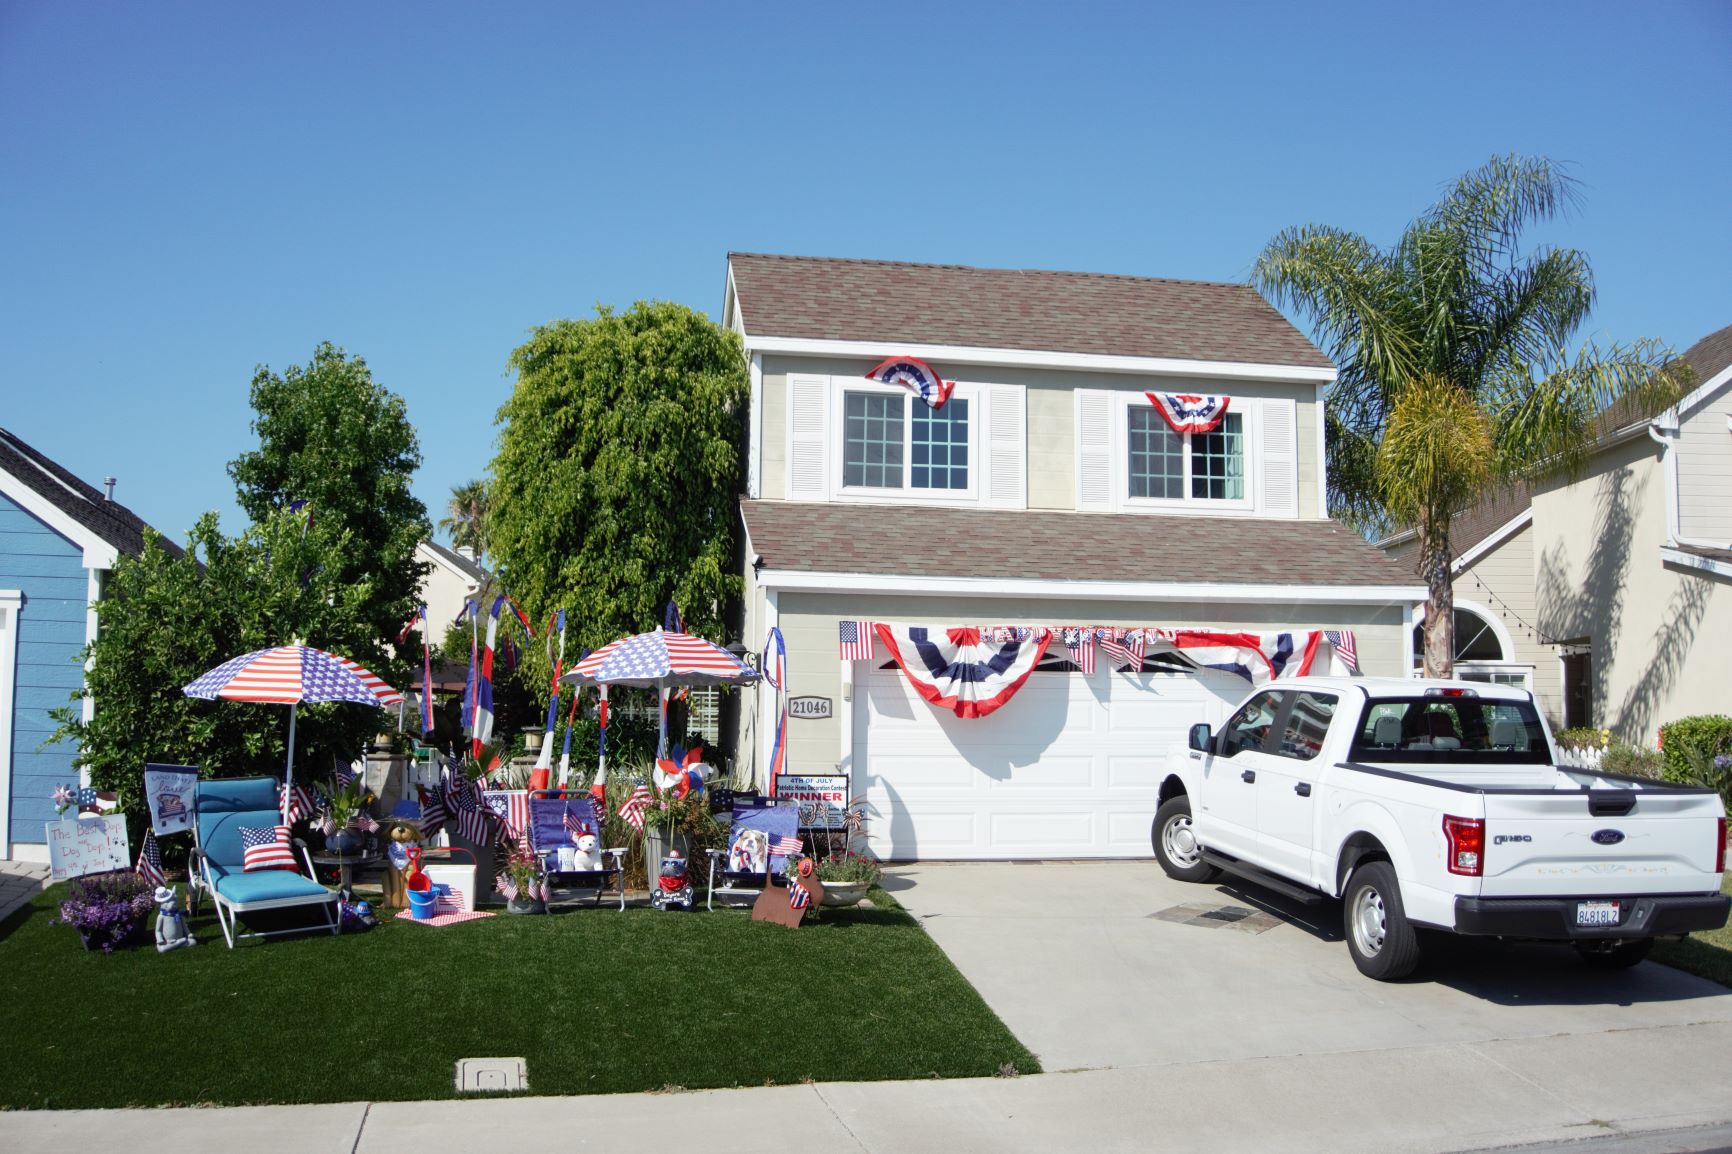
10, 600
1251, 437
840, 387
1505, 640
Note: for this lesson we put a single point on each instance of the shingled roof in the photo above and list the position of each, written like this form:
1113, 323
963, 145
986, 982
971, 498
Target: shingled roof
889, 302
85, 504
1040, 545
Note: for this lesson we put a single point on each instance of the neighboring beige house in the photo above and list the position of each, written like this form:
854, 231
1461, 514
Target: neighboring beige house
453, 577
1025, 500
1611, 595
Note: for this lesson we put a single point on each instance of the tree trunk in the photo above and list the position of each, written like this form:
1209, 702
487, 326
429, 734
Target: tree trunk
1440, 598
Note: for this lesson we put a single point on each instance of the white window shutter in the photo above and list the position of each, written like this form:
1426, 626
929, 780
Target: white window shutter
808, 438
1094, 450
1277, 462
1006, 444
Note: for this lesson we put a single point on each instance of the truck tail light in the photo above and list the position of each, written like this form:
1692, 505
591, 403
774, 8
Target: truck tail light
1720, 849
1466, 839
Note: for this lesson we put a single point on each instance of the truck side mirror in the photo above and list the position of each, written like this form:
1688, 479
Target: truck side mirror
1200, 737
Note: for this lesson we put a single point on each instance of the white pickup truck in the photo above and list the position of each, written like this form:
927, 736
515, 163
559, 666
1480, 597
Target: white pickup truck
1439, 805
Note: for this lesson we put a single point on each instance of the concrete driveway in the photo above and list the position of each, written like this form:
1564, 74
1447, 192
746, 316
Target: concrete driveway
1078, 961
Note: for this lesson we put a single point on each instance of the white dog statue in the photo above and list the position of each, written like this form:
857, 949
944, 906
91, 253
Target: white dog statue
171, 931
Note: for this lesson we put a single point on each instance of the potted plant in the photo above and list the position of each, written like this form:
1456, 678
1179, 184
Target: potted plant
344, 820
107, 909
524, 883
847, 874
677, 823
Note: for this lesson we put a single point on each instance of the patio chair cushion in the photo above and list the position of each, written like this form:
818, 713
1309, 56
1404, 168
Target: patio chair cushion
266, 886
222, 807
267, 848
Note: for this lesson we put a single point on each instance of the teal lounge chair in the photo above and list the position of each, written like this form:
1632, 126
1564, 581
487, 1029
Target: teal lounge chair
219, 809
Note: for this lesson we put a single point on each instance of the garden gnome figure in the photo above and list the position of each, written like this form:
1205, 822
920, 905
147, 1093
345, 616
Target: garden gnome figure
171, 932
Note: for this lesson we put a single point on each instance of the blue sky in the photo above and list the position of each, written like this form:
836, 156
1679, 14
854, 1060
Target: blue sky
190, 190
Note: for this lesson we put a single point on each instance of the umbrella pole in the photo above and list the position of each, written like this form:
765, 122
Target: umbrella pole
662, 729
289, 770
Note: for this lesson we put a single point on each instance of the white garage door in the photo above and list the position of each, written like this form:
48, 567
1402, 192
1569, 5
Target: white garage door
1068, 768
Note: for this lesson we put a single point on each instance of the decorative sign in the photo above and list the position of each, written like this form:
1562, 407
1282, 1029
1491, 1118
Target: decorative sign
808, 707
87, 845
168, 790
822, 798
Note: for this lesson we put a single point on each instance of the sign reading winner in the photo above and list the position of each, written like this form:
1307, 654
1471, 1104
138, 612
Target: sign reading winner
823, 798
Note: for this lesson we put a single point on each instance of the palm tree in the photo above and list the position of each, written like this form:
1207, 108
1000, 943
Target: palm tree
1456, 372
467, 517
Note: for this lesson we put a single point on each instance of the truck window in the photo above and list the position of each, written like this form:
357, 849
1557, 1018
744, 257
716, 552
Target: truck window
1457, 730
1249, 727
1307, 724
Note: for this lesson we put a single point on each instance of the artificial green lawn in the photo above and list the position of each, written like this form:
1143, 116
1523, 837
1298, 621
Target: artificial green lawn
596, 1000
1707, 954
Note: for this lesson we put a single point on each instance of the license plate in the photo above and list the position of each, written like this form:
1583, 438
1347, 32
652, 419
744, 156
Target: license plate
1596, 913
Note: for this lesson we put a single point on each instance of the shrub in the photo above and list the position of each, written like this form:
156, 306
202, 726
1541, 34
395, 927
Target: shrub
1683, 741
1584, 737
1622, 757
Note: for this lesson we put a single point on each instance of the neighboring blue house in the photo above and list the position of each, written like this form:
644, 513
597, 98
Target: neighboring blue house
59, 537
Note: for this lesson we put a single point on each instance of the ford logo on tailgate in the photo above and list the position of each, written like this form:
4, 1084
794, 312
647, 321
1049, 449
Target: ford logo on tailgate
1608, 836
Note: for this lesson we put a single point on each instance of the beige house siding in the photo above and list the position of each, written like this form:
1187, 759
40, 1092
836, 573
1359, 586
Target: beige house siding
1705, 472
1501, 583
809, 620
1051, 428
1658, 635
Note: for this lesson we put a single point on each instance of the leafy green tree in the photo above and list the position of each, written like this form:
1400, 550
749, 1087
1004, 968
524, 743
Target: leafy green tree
619, 467
466, 517
1456, 366
165, 620
333, 438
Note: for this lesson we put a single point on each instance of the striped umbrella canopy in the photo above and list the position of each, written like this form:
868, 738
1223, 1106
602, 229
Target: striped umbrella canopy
289, 675
660, 660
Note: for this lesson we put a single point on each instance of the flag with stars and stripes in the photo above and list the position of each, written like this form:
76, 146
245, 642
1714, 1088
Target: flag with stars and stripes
1124, 648
298, 803
432, 810
150, 860
857, 639
576, 826
799, 897
634, 806
511, 806
783, 844
1345, 647
1079, 645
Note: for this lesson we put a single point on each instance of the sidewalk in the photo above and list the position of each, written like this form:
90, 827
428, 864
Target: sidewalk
19, 882
1435, 1098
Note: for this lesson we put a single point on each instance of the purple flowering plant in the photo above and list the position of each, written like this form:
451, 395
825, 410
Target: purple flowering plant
106, 908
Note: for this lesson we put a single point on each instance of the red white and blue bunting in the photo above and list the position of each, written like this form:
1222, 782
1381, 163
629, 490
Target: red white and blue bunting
969, 671
916, 374
1190, 412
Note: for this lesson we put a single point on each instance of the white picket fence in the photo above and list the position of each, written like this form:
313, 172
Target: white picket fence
1580, 758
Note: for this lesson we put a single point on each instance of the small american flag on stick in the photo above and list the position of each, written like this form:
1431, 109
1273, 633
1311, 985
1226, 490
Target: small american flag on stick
1345, 646
1124, 648
576, 826
634, 806
785, 845
857, 640
150, 860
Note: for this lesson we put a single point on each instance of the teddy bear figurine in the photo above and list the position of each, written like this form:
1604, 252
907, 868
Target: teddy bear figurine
587, 853
171, 931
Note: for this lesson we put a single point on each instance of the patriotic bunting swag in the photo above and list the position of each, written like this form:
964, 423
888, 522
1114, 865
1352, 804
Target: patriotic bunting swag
775, 667
916, 374
959, 669
544, 760
1188, 412
481, 732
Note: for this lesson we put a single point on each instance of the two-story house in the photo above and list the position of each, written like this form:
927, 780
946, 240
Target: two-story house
1047, 491
1609, 594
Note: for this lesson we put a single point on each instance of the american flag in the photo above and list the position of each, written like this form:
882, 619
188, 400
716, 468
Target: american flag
858, 643
150, 860
1124, 647
784, 844
799, 897
512, 808
432, 810
463, 801
634, 806
1345, 647
345, 776
1079, 644
576, 826
448, 903
298, 803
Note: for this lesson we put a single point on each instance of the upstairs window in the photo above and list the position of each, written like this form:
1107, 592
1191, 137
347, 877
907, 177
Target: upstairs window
891, 440
1164, 465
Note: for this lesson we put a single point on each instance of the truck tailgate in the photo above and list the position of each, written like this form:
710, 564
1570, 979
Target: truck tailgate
1610, 841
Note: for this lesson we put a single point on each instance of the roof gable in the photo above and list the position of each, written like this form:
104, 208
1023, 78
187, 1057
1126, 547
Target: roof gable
891, 302
76, 508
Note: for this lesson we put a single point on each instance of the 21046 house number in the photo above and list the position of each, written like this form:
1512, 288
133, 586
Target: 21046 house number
808, 707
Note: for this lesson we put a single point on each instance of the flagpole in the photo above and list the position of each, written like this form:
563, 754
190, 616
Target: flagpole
289, 770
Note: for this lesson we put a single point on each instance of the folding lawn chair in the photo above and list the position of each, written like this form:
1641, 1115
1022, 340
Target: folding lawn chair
758, 840
220, 811
559, 822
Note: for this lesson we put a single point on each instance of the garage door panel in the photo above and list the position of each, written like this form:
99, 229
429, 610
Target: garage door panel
1067, 768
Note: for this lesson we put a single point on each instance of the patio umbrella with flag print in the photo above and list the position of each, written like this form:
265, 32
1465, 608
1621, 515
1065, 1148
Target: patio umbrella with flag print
288, 675
660, 661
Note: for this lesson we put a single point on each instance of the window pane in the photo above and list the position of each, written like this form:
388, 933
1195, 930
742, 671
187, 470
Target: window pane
940, 440
1306, 726
1218, 461
872, 440
1249, 728
1157, 464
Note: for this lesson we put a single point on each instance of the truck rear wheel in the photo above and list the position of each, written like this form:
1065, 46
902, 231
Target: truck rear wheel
1379, 936
1620, 955
1176, 843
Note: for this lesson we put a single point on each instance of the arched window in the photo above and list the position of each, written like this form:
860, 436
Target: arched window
1482, 650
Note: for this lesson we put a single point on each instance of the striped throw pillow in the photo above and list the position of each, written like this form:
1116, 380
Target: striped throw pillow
267, 849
